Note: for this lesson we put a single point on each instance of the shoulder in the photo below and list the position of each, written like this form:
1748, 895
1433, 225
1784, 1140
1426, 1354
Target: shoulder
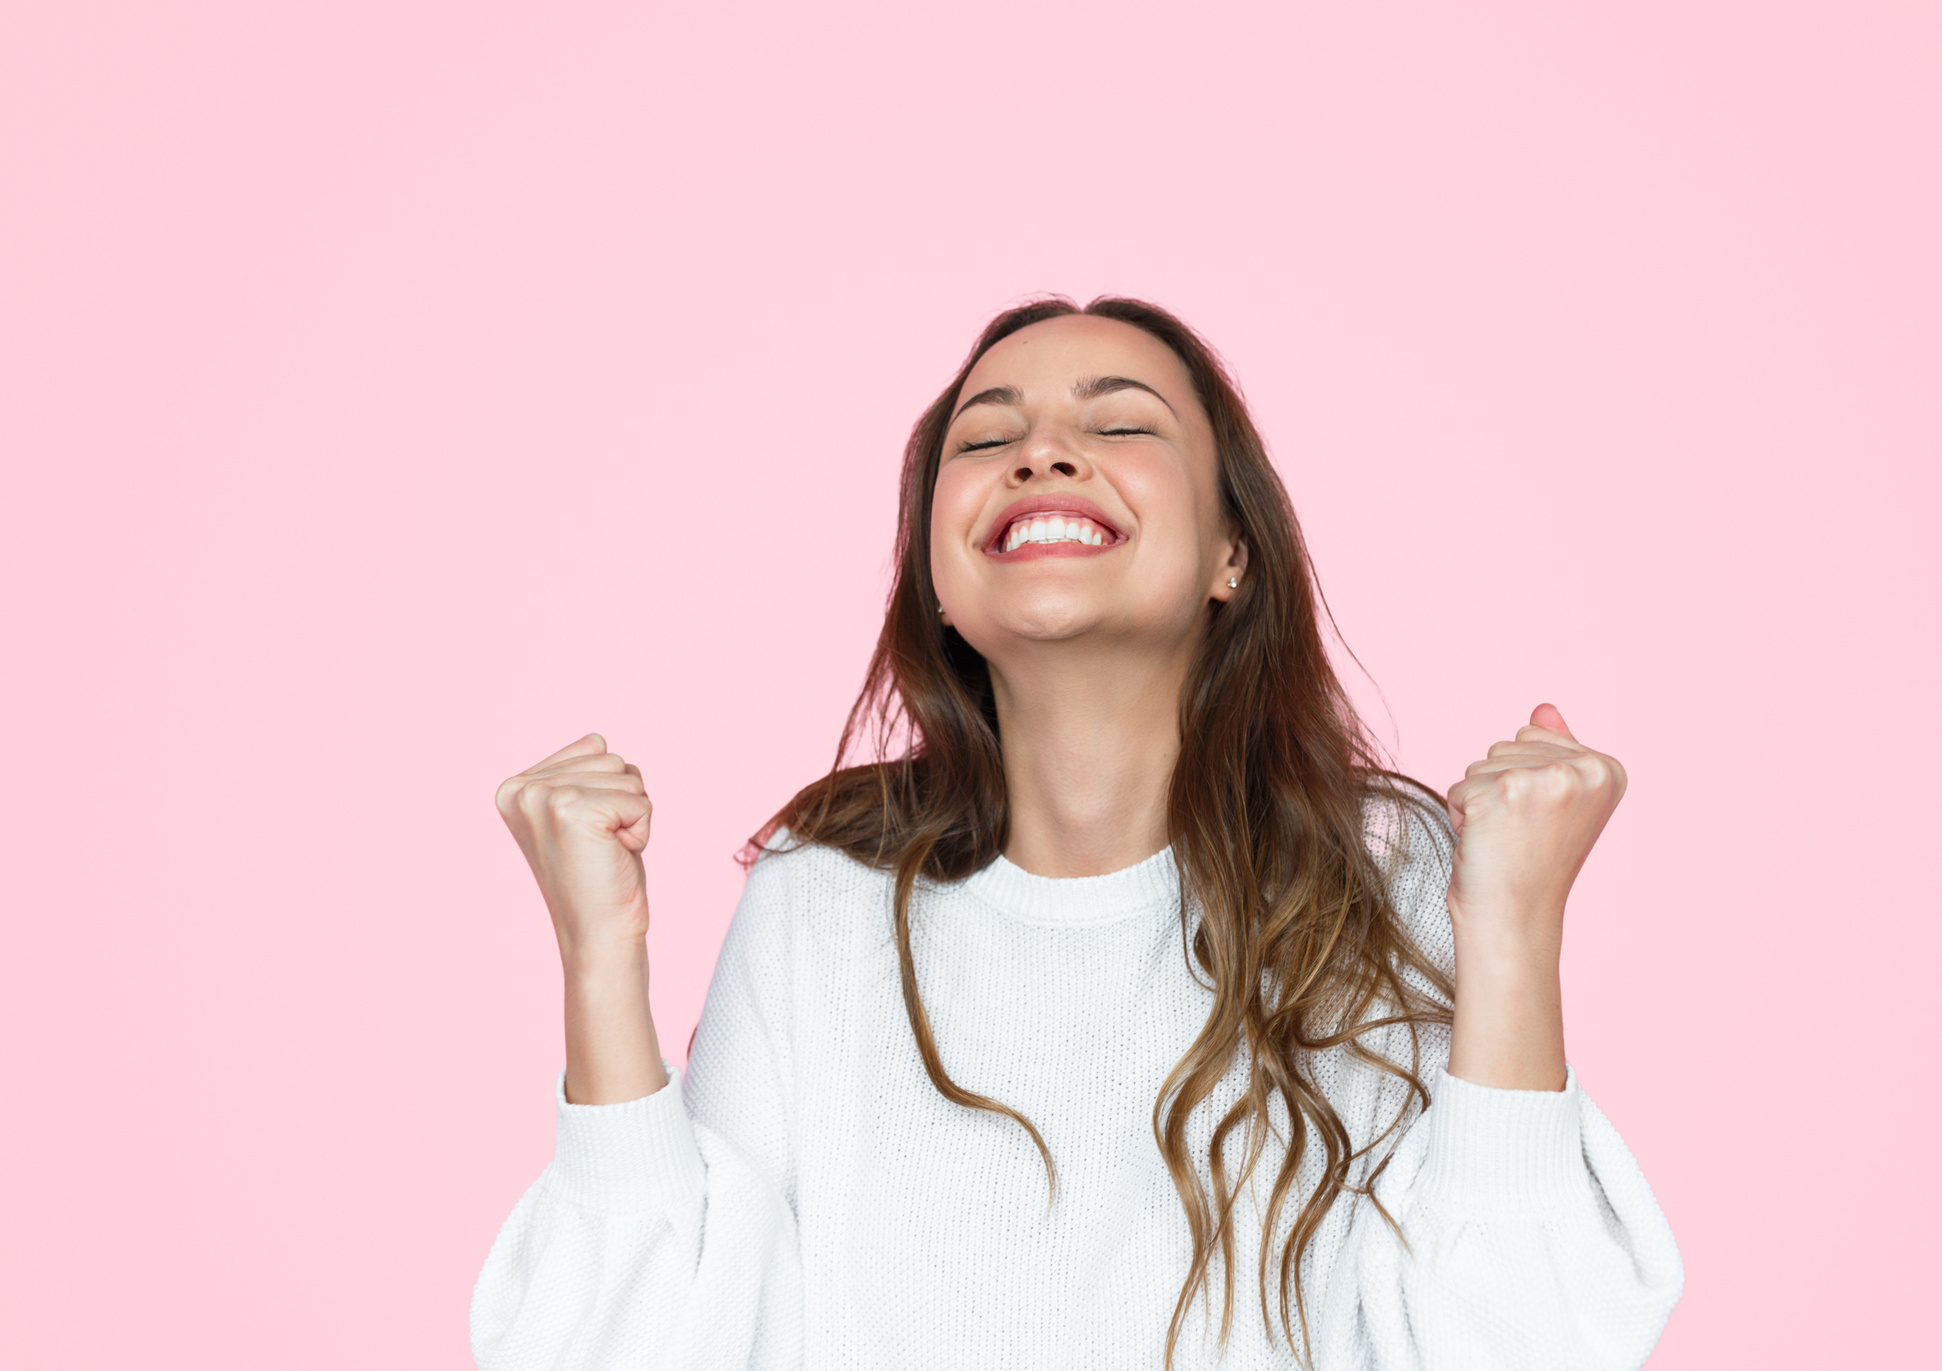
786, 865
1408, 833
1406, 827
798, 890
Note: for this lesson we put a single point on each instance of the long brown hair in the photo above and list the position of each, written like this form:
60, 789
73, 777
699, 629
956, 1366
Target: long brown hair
1297, 937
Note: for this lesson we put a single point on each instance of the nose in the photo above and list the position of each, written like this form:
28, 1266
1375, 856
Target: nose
1045, 455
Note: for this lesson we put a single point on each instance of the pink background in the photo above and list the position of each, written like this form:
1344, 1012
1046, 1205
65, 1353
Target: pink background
390, 393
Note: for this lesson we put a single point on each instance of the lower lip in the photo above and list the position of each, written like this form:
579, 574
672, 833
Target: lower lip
1038, 552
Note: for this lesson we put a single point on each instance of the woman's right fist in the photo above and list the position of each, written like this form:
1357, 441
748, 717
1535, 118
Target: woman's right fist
581, 817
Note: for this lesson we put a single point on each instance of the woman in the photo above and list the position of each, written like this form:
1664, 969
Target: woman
1125, 1012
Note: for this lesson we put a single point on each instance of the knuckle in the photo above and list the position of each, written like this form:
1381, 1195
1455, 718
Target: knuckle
1562, 780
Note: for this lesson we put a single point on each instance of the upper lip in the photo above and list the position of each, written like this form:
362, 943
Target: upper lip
1048, 504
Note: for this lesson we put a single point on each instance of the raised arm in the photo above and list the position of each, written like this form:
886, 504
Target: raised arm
651, 1239
1529, 1237
1526, 817
581, 817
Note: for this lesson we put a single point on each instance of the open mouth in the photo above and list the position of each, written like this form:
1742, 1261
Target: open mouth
1049, 526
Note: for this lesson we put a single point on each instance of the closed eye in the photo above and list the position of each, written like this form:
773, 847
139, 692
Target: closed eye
1124, 431
983, 443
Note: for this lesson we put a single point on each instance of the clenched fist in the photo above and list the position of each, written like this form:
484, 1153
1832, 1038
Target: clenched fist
1526, 817
581, 817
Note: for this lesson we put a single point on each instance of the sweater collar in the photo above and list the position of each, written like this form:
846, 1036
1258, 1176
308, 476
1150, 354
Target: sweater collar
1151, 886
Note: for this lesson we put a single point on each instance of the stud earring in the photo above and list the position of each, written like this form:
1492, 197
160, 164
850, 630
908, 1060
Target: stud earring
1233, 584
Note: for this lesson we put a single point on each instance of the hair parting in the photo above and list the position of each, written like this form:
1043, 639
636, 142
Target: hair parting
1285, 913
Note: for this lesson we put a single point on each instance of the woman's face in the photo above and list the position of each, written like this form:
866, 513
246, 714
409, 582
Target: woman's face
1077, 495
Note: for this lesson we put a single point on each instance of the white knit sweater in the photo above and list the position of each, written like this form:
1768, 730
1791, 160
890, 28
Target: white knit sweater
805, 1198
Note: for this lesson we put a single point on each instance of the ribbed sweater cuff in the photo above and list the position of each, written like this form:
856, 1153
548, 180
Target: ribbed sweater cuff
1503, 1149
632, 1158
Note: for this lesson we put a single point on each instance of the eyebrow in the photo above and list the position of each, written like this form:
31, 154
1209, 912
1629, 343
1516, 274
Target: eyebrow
1089, 389
1097, 386
997, 395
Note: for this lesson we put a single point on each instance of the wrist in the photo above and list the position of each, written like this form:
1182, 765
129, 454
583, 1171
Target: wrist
1510, 939
1507, 963
604, 961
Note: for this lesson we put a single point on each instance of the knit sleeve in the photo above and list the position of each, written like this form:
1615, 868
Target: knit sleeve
662, 1235
1528, 1237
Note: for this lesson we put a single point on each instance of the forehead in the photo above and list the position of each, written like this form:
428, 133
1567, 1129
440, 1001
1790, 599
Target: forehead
1053, 354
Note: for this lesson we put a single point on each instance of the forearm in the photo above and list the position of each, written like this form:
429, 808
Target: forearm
1509, 1029
612, 1052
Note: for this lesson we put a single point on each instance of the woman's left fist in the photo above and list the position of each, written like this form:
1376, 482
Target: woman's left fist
1526, 817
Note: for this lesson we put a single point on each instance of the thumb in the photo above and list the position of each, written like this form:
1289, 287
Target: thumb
1549, 716
633, 836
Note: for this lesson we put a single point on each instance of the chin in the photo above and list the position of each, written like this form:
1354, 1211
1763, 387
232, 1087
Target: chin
1048, 619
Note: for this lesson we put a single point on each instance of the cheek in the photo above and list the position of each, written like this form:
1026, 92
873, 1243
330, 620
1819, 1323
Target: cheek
1177, 510
955, 503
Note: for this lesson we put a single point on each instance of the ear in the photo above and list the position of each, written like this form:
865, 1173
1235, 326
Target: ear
1233, 567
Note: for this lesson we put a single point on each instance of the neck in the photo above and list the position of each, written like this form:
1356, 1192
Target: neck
1090, 739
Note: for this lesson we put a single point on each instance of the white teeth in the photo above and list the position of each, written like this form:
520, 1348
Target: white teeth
1054, 528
